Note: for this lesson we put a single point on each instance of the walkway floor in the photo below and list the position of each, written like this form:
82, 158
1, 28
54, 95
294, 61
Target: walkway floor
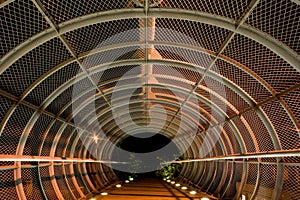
146, 189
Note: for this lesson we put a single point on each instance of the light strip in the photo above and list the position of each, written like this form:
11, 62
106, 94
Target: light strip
18, 158
272, 154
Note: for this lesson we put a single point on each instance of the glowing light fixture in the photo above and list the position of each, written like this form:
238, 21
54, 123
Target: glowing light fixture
168, 181
127, 181
165, 179
95, 138
104, 193
184, 188
243, 197
173, 182
177, 184
193, 192
118, 185
130, 178
204, 198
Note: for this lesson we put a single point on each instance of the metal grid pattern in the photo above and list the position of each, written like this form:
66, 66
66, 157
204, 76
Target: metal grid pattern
188, 32
36, 136
46, 181
44, 89
254, 70
243, 79
260, 131
292, 101
48, 139
5, 106
18, 77
227, 8
285, 129
282, 24
69, 176
31, 184
249, 143
267, 181
60, 179
266, 64
291, 186
79, 8
63, 141
99, 35
7, 185
184, 55
13, 130
19, 20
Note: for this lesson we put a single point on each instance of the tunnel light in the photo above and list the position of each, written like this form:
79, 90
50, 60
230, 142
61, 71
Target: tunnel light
130, 178
243, 197
177, 184
104, 193
173, 182
168, 181
127, 181
95, 138
204, 198
118, 185
165, 179
184, 188
92, 199
193, 192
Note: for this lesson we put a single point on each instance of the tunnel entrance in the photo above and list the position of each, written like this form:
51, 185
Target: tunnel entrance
141, 144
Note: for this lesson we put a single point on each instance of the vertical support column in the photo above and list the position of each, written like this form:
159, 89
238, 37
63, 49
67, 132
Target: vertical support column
257, 182
279, 181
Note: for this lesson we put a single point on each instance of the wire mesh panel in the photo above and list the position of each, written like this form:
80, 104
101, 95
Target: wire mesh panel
218, 177
61, 146
31, 184
66, 10
7, 185
36, 135
243, 79
267, 181
60, 180
12, 132
292, 100
228, 177
266, 64
79, 180
46, 182
19, 21
18, 77
262, 135
69, 176
48, 139
252, 174
228, 8
45, 88
280, 19
236, 181
189, 32
291, 183
106, 33
249, 143
5, 105
285, 129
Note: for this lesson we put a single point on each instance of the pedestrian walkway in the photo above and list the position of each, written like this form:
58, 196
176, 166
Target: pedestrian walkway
147, 189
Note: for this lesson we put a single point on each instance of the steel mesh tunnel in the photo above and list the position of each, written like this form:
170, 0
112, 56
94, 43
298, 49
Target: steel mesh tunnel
221, 79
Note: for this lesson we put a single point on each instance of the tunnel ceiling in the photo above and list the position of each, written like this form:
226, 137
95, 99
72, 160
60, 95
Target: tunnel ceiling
77, 74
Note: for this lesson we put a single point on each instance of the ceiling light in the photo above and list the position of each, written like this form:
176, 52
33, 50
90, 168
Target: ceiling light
184, 188
104, 193
177, 184
193, 192
118, 185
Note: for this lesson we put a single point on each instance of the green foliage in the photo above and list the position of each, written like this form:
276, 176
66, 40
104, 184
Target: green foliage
169, 170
